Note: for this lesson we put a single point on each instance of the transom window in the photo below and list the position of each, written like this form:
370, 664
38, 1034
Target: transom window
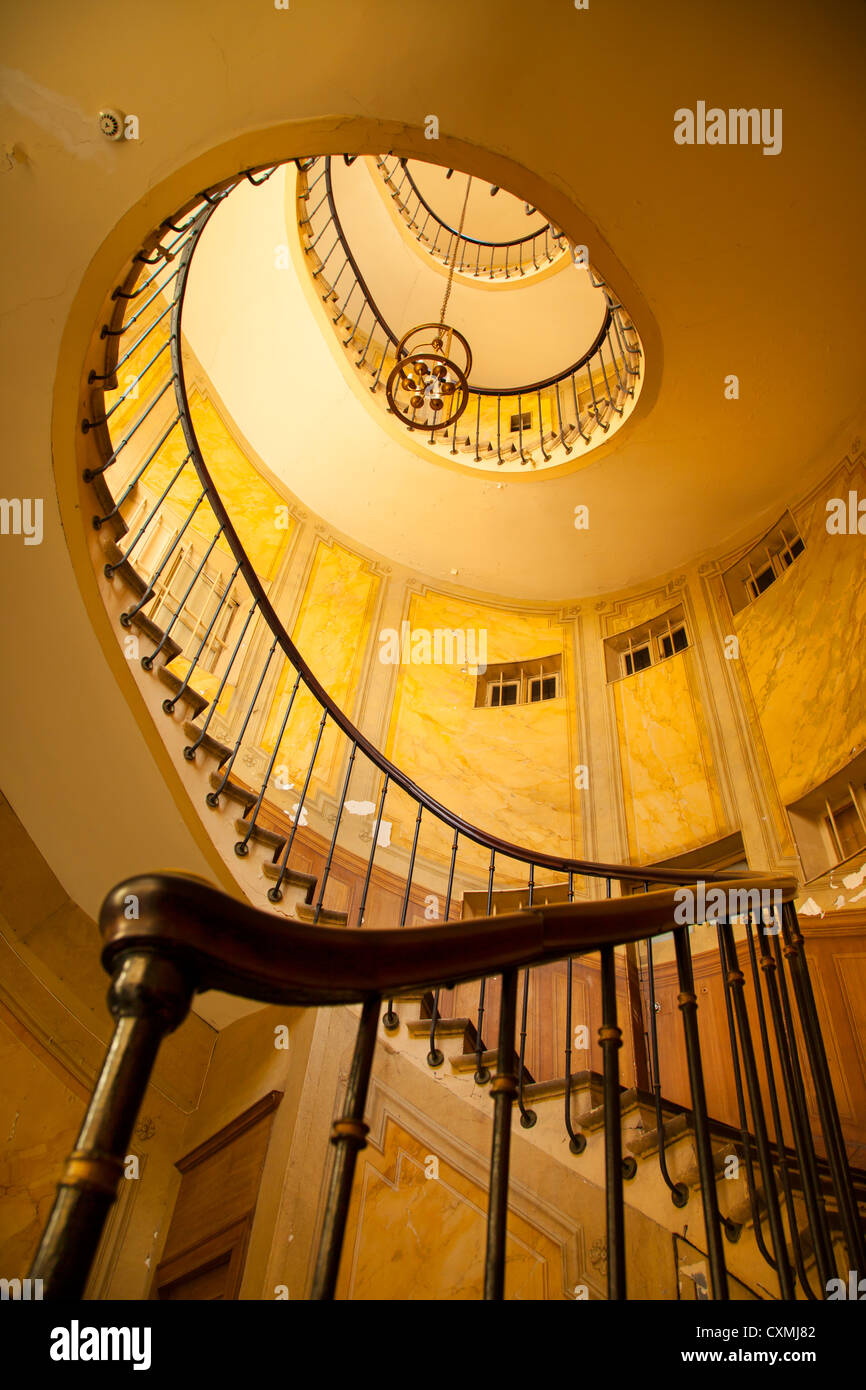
627, 653
520, 683
763, 564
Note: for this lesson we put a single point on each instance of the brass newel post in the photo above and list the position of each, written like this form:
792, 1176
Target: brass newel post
148, 997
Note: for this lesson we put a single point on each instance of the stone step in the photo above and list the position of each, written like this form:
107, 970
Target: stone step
190, 697
328, 917
217, 750
269, 839
294, 877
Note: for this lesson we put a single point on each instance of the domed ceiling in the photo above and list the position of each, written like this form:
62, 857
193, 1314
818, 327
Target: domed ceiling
697, 468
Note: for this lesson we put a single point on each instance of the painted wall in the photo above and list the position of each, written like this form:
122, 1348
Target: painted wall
506, 770
803, 648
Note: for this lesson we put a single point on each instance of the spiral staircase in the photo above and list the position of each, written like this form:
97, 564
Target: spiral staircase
208, 649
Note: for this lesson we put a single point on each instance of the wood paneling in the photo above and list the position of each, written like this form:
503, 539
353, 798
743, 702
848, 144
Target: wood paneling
206, 1243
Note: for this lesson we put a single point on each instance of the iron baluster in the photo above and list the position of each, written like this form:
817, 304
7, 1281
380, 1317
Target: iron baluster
296, 815
528, 1118
147, 661
241, 845
678, 1190
348, 1135
776, 1112
435, 1057
829, 1115
360, 921
169, 704
544, 455
804, 1148
135, 381
99, 521
745, 1136
213, 797
333, 843
736, 980
503, 1090
482, 1074
610, 1039
567, 447
688, 1003
90, 473
190, 750
127, 617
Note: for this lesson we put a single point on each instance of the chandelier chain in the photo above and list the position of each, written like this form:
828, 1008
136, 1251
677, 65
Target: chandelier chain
454, 260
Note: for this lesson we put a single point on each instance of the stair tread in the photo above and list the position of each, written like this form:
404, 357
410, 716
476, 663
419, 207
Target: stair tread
170, 648
233, 790
292, 876
126, 570
191, 697
211, 745
328, 917
261, 835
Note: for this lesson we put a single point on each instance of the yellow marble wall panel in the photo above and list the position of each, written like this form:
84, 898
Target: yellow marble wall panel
639, 610
410, 1236
508, 771
41, 1107
669, 782
331, 632
803, 651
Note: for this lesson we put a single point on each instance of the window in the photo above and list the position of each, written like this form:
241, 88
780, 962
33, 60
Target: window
673, 641
542, 688
829, 822
638, 659
762, 581
521, 422
789, 555
846, 829
520, 682
753, 574
505, 693
627, 653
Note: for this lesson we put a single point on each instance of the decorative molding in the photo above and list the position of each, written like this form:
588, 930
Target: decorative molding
230, 1132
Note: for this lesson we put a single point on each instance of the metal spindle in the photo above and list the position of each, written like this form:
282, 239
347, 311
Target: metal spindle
736, 981
213, 797
169, 704
333, 843
482, 1074
688, 1002
435, 1057
241, 845
610, 1040
349, 1135
503, 1089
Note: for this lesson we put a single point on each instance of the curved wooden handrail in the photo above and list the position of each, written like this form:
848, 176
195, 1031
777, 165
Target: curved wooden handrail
503, 391
473, 240
221, 943
553, 862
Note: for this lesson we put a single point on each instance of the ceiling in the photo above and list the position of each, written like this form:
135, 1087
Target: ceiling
690, 475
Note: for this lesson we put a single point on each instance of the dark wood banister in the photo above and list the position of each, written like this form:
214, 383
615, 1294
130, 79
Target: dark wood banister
222, 943
502, 847
475, 241
556, 863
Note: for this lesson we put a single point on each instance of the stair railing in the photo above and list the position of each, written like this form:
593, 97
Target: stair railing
571, 405
480, 258
240, 648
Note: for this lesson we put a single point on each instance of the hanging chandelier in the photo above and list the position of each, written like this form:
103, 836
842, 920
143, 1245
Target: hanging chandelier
428, 388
